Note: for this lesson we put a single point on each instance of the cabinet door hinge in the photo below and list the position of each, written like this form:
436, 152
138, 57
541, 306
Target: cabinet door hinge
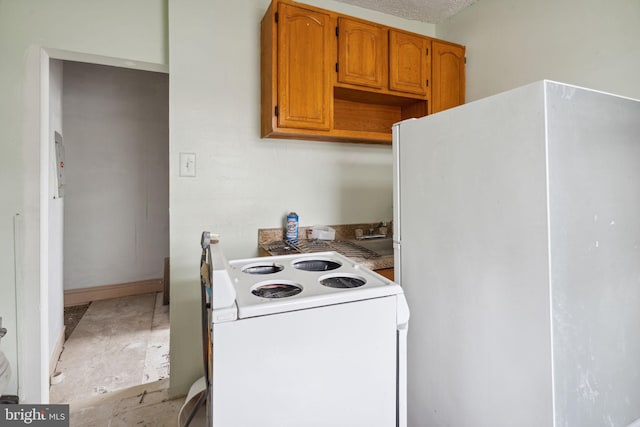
337, 31
276, 111
277, 17
427, 83
427, 51
336, 67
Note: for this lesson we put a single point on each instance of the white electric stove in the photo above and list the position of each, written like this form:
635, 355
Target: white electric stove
305, 340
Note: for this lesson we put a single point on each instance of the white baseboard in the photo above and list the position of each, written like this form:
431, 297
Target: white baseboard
86, 295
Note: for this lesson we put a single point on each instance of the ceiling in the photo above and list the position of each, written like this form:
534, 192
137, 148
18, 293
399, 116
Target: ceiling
432, 11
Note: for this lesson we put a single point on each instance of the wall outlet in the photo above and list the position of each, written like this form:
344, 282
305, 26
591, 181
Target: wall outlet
187, 164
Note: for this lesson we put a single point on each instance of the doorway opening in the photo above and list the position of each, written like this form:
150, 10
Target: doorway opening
108, 227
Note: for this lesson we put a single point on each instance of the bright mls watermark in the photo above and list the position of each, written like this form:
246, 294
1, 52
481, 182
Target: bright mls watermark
34, 415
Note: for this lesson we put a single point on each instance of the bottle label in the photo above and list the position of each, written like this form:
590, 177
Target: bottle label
292, 227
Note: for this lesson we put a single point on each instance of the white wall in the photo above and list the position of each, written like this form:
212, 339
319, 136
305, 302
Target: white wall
56, 211
117, 29
116, 217
243, 182
240, 184
590, 43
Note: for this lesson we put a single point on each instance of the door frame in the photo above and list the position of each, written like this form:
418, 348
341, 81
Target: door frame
32, 255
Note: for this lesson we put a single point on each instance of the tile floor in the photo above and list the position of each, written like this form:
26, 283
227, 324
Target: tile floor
115, 366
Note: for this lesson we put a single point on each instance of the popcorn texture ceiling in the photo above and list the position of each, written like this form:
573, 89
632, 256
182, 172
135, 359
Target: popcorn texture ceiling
432, 11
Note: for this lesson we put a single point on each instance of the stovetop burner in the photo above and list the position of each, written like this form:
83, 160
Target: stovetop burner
280, 289
262, 268
316, 265
288, 283
343, 281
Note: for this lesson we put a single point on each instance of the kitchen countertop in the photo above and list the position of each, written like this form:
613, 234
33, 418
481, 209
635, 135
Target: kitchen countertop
270, 240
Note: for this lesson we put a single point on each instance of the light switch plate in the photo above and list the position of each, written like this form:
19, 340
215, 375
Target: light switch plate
187, 164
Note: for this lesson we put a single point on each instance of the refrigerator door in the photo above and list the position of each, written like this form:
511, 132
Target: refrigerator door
397, 233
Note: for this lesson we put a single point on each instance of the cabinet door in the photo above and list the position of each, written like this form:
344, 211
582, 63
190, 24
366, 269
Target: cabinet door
409, 62
448, 75
361, 53
305, 46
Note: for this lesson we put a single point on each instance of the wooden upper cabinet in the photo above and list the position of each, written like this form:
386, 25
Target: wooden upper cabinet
383, 75
409, 62
304, 68
448, 75
362, 53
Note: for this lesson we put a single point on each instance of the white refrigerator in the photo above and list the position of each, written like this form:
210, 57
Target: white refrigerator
517, 244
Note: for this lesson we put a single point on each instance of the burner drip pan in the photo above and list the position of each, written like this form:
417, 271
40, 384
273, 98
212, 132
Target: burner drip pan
276, 289
262, 268
316, 264
342, 281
